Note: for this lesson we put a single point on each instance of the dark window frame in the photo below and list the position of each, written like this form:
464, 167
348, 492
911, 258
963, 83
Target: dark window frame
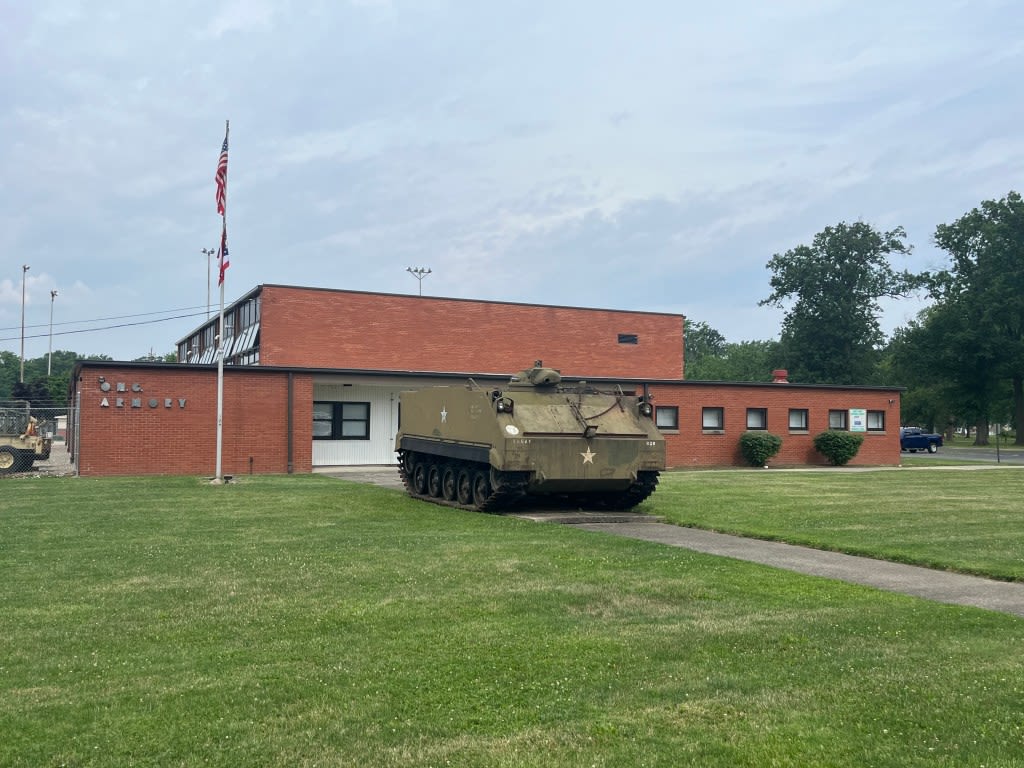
629, 338
341, 422
805, 419
659, 410
763, 413
710, 410
843, 416
880, 415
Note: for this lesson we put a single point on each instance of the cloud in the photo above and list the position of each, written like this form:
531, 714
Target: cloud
238, 16
650, 157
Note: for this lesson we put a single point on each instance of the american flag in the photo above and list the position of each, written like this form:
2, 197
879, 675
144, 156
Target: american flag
222, 257
222, 176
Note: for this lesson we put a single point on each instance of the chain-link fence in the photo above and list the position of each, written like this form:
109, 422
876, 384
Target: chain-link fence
35, 440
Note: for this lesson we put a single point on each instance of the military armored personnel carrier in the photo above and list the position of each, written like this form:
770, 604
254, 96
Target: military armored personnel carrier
490, 449
20, 446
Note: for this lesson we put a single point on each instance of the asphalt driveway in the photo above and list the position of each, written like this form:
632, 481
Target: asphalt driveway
1010, 455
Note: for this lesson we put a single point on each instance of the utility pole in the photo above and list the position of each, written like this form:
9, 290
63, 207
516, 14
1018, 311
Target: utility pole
419, 273
49, 357
209, 252
24, 269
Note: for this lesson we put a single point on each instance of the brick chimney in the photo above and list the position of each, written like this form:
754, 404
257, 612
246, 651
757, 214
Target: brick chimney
780, 376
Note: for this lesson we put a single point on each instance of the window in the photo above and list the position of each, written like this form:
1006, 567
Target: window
876, 421
837, 419
341, 421
666, 416
757, 418
798, 419
249, 313
712, 418
628, 338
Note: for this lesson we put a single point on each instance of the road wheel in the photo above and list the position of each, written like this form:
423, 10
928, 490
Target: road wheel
464, 487
8, 459
481, 487
434, 481
932, 448
408, 460
419, 477
449, 481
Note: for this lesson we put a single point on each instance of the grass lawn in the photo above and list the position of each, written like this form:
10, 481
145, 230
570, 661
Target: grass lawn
306, 621
963, 520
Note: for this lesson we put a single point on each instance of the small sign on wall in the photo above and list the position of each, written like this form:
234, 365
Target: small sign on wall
858, 420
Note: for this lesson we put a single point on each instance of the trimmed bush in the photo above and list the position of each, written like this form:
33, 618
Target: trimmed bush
758, 447
838, 447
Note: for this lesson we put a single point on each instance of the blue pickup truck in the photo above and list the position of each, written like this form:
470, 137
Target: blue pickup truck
915, 439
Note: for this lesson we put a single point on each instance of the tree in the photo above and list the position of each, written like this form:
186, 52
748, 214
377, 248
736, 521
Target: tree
40, 385
981, 295
948, 364
36, 391
912, 359
709, 357
739, 361
169, 357
831, 334
703, 343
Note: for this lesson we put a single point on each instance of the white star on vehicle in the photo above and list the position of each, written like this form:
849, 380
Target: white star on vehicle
444, 415
588, 457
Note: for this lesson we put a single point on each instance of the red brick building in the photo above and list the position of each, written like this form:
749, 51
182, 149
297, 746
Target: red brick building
312, 379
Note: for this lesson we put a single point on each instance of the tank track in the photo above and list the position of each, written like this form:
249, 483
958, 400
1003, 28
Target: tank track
639, 491
507, 490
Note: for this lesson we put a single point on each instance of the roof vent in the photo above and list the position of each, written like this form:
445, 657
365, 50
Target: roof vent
780, 376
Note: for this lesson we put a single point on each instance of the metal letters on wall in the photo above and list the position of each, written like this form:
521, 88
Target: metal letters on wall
134, 402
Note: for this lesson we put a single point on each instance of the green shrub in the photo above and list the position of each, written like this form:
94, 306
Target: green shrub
758, 447
838, 447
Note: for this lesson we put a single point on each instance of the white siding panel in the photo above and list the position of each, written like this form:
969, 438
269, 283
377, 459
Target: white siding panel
380, 448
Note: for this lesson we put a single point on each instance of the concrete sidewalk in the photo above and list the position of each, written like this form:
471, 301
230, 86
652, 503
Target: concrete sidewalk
941, 586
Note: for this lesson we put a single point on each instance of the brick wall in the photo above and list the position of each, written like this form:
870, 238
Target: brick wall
691, 447
168, 438
172, 428
343, 329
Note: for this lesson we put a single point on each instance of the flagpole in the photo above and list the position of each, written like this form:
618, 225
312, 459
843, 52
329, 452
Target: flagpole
220, 331
220, 383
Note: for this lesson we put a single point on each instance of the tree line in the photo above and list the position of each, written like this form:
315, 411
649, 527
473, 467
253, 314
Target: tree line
46, 378
961, 360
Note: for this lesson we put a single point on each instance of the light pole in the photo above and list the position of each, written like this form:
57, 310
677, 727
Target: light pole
419, 273
49, 357
209, 252
24, 269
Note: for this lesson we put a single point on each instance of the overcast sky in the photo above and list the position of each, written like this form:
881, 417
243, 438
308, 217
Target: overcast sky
649, 155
